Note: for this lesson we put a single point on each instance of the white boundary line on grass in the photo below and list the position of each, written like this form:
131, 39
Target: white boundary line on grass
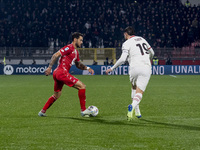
173, 76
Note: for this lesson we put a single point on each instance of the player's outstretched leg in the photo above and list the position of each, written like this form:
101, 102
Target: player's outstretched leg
48, 104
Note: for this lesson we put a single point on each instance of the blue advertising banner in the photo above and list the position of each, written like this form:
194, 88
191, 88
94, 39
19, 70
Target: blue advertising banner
100, 70
176, 70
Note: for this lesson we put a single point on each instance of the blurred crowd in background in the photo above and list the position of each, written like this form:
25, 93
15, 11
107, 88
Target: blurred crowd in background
164, 23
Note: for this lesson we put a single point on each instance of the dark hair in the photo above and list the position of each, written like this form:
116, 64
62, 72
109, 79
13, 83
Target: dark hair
76, 35
129, 30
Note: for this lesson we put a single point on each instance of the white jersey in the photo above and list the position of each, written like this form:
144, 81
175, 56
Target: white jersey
139, 51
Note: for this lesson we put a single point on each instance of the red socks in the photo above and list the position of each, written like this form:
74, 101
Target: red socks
81, 95
50, 101
82, 98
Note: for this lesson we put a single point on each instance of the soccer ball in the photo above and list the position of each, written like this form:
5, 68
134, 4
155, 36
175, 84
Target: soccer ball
94, 110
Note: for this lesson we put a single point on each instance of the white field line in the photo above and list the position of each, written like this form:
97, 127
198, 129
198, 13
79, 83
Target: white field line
173, 76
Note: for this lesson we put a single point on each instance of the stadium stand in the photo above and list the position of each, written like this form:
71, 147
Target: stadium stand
27, 61
165, 24
41, 61
13, 61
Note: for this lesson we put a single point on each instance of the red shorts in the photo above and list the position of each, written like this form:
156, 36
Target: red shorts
62, 77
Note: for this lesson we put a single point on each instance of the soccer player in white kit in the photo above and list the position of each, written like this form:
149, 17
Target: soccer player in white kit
139, 53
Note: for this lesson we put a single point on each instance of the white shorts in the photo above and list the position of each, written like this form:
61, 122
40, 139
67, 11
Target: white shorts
140, 76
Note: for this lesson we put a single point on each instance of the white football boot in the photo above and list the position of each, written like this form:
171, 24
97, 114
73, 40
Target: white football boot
41, 114
86, 113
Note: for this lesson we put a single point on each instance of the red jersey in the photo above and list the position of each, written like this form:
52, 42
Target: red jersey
68, 56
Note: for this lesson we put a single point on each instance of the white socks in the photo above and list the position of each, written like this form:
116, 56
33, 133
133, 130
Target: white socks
132, 93
136, 100
137, 110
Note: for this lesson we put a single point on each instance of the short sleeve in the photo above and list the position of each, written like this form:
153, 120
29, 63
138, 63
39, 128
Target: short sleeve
77, 59
65, 50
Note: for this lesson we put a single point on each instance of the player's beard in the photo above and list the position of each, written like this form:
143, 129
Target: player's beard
78, 45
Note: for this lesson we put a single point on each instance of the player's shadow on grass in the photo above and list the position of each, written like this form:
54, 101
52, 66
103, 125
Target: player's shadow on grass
103, 121
139, 122
170, 125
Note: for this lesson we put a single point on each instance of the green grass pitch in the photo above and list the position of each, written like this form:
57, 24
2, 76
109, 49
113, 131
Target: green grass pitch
170, 114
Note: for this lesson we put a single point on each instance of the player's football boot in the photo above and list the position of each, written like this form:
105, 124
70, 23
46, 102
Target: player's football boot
86, 113
41, 114
137, 112
130, 113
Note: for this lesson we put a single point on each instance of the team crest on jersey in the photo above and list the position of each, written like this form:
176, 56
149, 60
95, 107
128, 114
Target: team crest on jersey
62, 50
66, 48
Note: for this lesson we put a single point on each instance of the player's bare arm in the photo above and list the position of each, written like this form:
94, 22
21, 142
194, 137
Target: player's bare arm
53, 60
81, 66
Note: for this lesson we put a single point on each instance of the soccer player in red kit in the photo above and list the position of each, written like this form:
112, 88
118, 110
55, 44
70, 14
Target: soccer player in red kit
67, 56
